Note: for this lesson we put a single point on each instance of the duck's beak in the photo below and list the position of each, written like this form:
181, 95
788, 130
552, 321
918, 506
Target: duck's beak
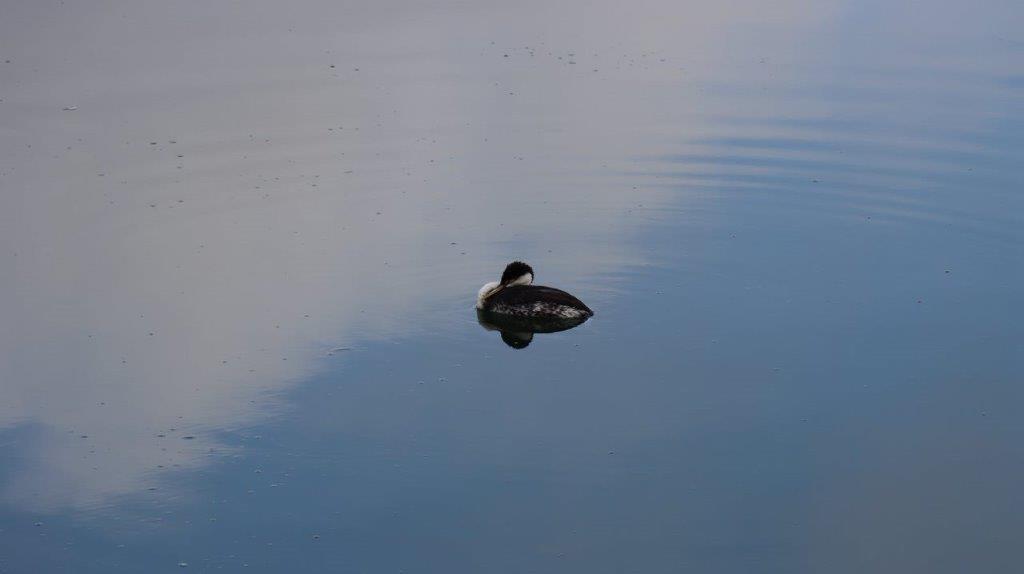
495, 292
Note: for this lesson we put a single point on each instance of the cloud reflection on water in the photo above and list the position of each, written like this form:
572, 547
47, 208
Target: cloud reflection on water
238, 193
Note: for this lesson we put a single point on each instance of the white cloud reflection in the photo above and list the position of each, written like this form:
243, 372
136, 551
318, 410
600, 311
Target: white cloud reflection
159, 286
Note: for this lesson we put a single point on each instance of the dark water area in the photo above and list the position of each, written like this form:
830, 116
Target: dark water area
240, 246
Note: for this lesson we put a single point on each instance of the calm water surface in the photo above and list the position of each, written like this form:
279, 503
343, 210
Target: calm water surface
239, 245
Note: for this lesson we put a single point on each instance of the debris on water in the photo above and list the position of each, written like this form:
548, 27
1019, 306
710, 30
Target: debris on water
182, 564
189, 437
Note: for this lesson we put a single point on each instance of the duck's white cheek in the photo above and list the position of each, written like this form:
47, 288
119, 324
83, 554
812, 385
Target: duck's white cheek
524, 279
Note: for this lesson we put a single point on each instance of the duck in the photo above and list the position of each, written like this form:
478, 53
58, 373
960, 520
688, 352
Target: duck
515, 295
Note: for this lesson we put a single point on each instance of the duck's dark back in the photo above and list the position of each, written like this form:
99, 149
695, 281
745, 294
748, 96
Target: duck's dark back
527, 294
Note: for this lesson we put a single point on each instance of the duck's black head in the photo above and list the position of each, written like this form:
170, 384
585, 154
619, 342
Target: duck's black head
517, 273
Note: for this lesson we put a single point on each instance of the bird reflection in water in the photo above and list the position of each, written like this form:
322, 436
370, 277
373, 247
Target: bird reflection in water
517, 332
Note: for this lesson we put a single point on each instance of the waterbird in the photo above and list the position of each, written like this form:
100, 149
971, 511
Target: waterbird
516, 295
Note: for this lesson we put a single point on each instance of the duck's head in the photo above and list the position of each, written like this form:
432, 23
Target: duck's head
516, 273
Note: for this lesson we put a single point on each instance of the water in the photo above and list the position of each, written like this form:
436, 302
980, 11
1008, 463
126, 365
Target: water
238, 274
